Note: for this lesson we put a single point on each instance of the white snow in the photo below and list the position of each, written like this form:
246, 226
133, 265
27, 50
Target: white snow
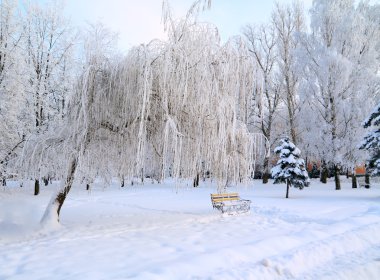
160, 231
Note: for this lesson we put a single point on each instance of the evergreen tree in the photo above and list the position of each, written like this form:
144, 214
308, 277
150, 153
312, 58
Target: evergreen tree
290, 168
371, 141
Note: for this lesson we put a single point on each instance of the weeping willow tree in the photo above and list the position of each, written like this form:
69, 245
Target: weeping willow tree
175, 108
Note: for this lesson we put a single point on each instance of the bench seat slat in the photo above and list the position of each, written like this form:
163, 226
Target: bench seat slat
226, 198
224, 195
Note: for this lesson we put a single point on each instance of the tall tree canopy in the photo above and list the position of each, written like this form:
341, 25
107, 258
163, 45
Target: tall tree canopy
177, 107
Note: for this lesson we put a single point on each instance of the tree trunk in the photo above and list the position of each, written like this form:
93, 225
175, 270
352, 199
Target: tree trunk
87, 187
61, 196
307, 166
122, 182
4, 182
323, 173
291, 110
265, 171
142, 175
46, 181
354, 181
266, 177
287, 188
196, 181
36, 187
366, 180
336, 176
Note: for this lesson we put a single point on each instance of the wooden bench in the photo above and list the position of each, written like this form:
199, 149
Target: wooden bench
230, 203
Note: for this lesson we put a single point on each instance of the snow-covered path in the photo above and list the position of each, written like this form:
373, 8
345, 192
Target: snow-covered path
160, 232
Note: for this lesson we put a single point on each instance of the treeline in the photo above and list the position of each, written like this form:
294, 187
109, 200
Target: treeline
190, 105
317, 82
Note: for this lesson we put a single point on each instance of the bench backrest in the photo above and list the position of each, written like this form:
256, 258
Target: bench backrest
220, 197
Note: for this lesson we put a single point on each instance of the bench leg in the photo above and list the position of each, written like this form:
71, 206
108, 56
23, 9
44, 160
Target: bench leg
236, 208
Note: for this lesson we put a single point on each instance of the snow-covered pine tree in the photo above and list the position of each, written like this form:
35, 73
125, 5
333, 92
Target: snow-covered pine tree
371, 141
290, 168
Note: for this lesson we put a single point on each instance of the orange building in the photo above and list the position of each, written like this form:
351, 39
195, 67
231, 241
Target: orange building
359, 169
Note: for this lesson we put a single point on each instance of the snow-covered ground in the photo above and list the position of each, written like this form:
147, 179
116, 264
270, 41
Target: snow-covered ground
164, 232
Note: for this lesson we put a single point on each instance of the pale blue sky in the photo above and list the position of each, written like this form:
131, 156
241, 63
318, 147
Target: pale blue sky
139, 21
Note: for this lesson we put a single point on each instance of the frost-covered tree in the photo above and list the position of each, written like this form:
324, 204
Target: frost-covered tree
290, 168
262, 46
12, 102
175, 108
371, 141
339, 62
48, 41
288, 21
35, 72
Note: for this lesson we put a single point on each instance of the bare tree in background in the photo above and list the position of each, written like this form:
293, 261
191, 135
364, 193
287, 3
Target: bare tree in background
262, 46
12, 101
48, 43
288, 21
